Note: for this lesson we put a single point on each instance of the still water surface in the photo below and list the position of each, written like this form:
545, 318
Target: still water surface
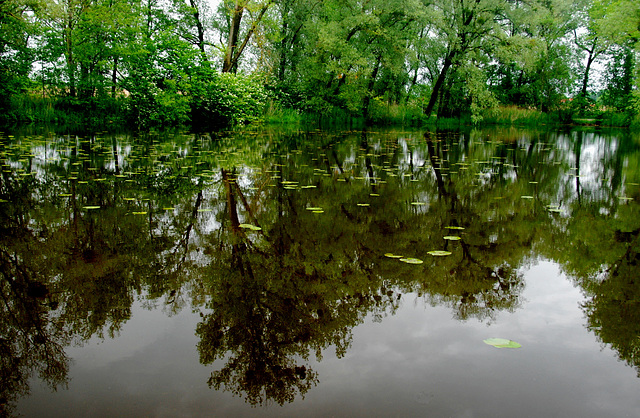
255, 274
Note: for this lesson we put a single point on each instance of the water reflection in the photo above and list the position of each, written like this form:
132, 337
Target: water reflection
282, 240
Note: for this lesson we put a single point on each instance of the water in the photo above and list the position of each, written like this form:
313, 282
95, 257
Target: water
253, 274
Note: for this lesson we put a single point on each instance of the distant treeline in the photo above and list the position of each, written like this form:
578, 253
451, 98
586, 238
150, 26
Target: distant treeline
152, 63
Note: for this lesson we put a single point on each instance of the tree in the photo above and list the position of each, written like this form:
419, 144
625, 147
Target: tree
235, 13
618, 23
16, 57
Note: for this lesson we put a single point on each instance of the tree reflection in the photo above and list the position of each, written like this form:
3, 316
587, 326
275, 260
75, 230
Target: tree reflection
29, 341
167, 227
303, 281
612, 311
269, 310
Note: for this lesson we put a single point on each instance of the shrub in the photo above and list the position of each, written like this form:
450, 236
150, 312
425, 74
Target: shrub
228, 99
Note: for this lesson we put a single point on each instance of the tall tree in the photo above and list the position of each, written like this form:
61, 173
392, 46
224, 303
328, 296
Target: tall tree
16, 58
239, 30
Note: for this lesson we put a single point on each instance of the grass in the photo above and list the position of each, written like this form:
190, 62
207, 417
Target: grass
514, 115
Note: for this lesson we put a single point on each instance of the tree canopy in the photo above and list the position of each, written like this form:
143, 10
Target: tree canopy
159, 62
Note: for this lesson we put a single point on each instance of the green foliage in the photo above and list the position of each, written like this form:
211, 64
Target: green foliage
514, 115
381, 61
229, 99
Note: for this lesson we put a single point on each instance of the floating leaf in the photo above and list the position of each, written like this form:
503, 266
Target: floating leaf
391, 255
454, 227
439, 253
502, 343
452, 238
90, 207
363, 204
317, 211
251, 227
526, 197
313, 208
139, 213
411, 260
418, 203
374, 194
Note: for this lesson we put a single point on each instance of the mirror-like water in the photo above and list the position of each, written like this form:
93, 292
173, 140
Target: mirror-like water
320, 273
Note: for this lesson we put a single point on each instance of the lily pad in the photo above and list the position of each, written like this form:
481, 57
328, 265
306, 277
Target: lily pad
251, 227
502, 343
391, 255
90, 207
411, 260
362, 204
313, 208
452, 238
439, 253
460, 228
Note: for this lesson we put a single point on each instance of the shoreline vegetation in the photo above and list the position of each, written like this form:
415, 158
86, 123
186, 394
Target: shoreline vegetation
161, 64
114, 114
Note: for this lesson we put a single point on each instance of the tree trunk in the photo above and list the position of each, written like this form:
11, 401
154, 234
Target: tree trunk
438, 84
367, 97
199, 27
229, 63
114, 77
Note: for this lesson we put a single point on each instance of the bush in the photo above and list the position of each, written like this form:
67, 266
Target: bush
228, 99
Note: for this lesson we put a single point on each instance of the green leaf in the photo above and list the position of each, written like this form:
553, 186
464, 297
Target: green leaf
502, 343
90, 207
251, 227
439, 253
411, 260
391, 255
452, 238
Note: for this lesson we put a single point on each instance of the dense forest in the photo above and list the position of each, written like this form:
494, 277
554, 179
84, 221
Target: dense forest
151, 63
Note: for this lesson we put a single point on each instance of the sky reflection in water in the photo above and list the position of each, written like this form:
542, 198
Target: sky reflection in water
186, 291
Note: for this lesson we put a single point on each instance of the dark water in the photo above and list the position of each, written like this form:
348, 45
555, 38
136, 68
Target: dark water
185, 275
